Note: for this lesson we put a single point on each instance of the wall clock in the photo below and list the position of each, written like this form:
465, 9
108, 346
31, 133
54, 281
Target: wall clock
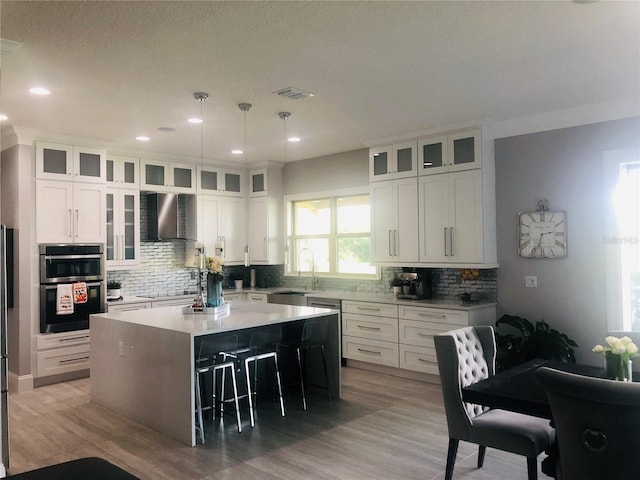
542, 234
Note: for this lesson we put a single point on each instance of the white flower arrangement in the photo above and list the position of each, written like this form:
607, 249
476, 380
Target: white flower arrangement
618, 354
215, 265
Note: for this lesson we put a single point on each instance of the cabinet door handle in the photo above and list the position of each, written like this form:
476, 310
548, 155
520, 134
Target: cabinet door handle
420, 334
451, 241
368, 309
445, 242
431, 315
70, 223
396, 241
79, 359
224, 246
70, 339
364, 327
424, 360
390, 241
369, 352
77, 221
121, 247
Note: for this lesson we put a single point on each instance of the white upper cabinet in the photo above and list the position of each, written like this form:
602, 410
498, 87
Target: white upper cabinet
258, 182
393, 161
159, 176
265, 215
72, 163
450, 153
123, 172
123, 228
220, 181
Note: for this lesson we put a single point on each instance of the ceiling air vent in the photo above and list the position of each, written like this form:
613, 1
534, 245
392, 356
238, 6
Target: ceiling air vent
293, 93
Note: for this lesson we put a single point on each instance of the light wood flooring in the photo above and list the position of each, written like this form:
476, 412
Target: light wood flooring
383, 428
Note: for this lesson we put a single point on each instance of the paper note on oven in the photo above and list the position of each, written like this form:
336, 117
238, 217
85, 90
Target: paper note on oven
80, 292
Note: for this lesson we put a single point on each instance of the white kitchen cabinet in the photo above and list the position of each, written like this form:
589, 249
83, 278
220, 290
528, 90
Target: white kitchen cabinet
65, 352
123, 228
127, 307
159, 176
457, 218
394, 221
255, 297
67, 162
265, 228
123, 172
452, 152
398, 160
221, 223
220, 181
70, 212
175, 302
258, 182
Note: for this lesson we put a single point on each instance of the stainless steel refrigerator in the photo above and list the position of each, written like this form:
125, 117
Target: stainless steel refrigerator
4, 407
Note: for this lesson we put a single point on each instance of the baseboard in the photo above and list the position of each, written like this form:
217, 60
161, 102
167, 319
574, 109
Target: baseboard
396, 372
61, 377
19, 383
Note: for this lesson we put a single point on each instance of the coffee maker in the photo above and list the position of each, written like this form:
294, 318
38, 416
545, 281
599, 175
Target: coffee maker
415, 285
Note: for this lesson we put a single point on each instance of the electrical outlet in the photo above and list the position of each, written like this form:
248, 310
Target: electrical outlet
121, 348
193, 275
531, 281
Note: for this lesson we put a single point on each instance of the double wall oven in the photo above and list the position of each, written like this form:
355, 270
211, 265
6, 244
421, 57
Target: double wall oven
64, 265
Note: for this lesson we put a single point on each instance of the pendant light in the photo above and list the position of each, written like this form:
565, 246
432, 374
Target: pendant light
245, 108
284, 116
201, 256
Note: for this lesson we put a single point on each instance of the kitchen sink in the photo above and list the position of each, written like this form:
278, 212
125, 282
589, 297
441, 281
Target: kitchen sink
289, 297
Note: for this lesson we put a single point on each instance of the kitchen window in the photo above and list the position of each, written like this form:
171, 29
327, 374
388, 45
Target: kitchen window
330, 235
622, 239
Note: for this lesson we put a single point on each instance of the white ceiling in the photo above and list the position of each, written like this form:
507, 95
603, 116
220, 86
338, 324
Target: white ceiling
121, 69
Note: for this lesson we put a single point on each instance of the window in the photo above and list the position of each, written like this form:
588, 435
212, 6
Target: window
331, 236
622, 239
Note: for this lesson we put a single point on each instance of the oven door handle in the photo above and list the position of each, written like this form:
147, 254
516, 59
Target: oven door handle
70, 257
89, 284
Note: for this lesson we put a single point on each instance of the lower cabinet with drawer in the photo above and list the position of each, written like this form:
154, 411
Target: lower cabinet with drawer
58, 353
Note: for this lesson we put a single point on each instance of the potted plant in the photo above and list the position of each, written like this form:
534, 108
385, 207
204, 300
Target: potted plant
237, 279
396, 286
537, 340
113, 289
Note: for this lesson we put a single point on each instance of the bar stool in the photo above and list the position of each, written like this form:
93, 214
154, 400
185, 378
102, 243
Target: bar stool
263, 345
314, 335
207, 362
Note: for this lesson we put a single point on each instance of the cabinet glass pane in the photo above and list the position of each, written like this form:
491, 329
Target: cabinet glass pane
404, 159
432, 155
380, 163
154, 174
182, 177
54, 161
257, 182
109, 170
110, 233
129, 227
129, 172
208, 180
463, 151
89, 165
232, 182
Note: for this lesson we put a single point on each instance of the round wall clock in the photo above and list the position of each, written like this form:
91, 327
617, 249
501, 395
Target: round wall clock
542, 234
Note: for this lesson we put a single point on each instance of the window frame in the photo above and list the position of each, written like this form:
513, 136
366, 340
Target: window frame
290, 256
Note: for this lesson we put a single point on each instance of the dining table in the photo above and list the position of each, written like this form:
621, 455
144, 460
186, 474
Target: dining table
517, 389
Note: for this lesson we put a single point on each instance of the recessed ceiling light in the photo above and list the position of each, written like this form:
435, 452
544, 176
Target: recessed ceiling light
142, 138
237, 152
39, 91
294, 139
3, 117
195, 120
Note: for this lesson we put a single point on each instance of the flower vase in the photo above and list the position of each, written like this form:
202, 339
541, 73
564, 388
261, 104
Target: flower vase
616, 367
214, 290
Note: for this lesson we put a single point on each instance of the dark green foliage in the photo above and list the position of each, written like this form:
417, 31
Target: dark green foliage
532, 341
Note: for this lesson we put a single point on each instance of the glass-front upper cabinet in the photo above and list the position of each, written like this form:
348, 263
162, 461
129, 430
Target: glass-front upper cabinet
258, 182
123, 172
450, 153
169, 177
393, 161
66, 162
219, 181
123, 228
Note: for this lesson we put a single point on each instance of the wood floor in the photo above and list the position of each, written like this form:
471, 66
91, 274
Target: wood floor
383, 428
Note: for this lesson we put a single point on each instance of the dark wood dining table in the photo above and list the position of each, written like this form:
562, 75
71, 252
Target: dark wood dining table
518, 390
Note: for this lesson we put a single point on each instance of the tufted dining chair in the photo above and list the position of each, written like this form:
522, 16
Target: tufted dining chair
597, 423
466, 356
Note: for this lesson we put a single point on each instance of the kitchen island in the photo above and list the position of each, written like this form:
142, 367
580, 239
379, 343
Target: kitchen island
142, 362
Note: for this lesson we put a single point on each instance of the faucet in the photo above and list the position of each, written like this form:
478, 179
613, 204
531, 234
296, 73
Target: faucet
314, 279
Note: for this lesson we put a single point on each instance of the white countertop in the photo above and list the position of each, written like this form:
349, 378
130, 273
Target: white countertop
242, 315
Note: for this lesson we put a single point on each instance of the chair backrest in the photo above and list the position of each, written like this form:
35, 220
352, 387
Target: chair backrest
208, 347
597, 424
465, 356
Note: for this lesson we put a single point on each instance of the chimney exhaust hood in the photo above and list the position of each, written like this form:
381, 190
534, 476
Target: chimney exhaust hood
162, 214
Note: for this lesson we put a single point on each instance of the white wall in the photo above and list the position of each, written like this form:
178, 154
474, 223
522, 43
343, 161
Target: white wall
565, 167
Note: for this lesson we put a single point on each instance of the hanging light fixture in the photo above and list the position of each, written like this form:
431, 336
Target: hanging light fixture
245, 108
284, 116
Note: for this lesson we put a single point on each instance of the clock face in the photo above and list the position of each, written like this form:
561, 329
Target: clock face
542, 234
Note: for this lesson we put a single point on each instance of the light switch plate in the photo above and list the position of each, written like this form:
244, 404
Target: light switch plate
531, 281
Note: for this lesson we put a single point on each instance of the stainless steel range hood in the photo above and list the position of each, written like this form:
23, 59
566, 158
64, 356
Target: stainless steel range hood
162, 215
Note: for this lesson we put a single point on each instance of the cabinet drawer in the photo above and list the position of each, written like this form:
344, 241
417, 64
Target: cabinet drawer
127, 307
57, 340
375, 309
257, 297
372, 351
419, 359
412, 332
62, 360
438, 315
364, 326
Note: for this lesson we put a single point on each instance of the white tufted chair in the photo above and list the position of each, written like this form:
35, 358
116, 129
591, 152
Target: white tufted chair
466, 356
